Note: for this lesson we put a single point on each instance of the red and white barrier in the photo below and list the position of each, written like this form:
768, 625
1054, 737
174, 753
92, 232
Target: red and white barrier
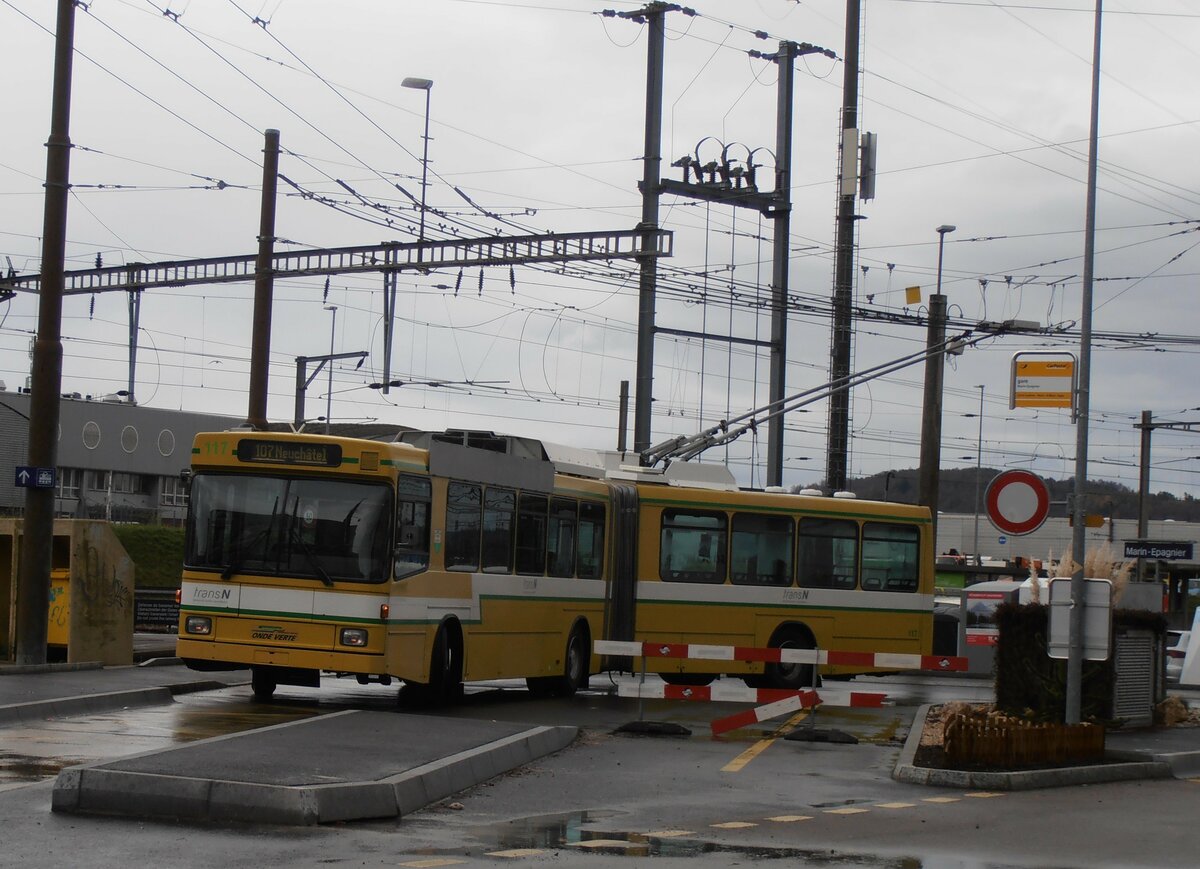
757, 714
737, 692
696, 651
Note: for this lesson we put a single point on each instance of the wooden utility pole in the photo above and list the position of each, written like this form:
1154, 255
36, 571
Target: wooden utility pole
264, 287
33, 583
838, 440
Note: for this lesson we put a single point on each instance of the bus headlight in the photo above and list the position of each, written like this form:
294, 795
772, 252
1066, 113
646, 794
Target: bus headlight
353, 637
198, 625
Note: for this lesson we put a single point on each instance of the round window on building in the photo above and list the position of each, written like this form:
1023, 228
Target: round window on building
166, 442
129, 439
91, 435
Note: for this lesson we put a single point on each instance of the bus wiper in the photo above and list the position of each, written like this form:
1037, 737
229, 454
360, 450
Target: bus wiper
240, 553
295, 537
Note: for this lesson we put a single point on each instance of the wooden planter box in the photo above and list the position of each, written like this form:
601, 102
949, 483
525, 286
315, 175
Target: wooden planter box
973, 741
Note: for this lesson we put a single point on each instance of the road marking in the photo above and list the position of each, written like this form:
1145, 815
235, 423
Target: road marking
940, 800
670, 834
788, 819
431, 864
983, 795
513, 853
847, 810
894, 805
733, 825
606, 843
739, 763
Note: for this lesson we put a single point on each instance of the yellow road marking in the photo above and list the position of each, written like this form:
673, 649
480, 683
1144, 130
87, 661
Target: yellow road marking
606, 843
787, 819
516, 852
670, 834
940, 800
894, 805
733, 825
983, 795
740, 762
848, 810
431, 864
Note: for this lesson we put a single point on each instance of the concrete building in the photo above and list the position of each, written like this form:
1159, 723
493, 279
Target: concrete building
116, 460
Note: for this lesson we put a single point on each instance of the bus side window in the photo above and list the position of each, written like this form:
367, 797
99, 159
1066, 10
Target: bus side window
412, 525
761, 550
531, 534
692, 547
828, 553
891, 554
591, 540
464, 503
560, 537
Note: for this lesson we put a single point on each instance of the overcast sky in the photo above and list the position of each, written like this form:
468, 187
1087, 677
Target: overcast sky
536, 116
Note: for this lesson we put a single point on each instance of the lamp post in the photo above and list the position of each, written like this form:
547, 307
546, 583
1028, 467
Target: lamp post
329, 391
422, 84
978, 476
931, 410
941, 231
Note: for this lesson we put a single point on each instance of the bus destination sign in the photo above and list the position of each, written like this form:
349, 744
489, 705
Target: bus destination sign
289, 453
1162, 550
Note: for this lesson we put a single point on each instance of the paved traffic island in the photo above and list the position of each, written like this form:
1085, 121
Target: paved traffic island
346, 766
1117, 766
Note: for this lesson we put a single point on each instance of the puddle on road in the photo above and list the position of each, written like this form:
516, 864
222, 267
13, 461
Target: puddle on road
568, 831
25, 768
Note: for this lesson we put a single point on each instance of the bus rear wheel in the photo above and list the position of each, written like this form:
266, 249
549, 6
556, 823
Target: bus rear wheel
263, 683
690, 679
792, 677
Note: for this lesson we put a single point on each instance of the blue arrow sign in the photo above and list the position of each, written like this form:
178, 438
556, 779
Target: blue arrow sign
28, 477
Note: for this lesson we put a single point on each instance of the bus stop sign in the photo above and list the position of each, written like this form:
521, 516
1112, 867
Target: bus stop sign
1018, 502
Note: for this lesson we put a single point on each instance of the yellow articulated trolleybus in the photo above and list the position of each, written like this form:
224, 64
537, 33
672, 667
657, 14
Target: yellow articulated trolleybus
440, 558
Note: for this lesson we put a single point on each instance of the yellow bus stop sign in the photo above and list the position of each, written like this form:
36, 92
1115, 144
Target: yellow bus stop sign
1043, 380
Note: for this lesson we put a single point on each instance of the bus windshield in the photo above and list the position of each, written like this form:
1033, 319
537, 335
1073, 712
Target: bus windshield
327, 530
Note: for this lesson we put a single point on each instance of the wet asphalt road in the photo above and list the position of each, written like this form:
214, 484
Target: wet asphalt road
610, 800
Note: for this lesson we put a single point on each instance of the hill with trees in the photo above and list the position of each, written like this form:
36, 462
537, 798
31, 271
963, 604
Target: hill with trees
957, 492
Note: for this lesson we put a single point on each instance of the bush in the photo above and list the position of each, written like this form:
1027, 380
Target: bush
156, 551
1031, 684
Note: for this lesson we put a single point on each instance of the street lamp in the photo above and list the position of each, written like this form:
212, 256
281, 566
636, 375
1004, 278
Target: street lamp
329, 396
978, 474
941, 231
422, 84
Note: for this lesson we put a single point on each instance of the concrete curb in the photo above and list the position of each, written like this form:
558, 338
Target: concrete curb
93, 789
26, 669
87, 704
1130, 766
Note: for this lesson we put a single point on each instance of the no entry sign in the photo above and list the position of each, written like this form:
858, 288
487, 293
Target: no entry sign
1018, 502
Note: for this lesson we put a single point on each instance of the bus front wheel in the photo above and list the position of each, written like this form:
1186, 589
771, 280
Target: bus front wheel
263, 683
446, 668
575, 670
